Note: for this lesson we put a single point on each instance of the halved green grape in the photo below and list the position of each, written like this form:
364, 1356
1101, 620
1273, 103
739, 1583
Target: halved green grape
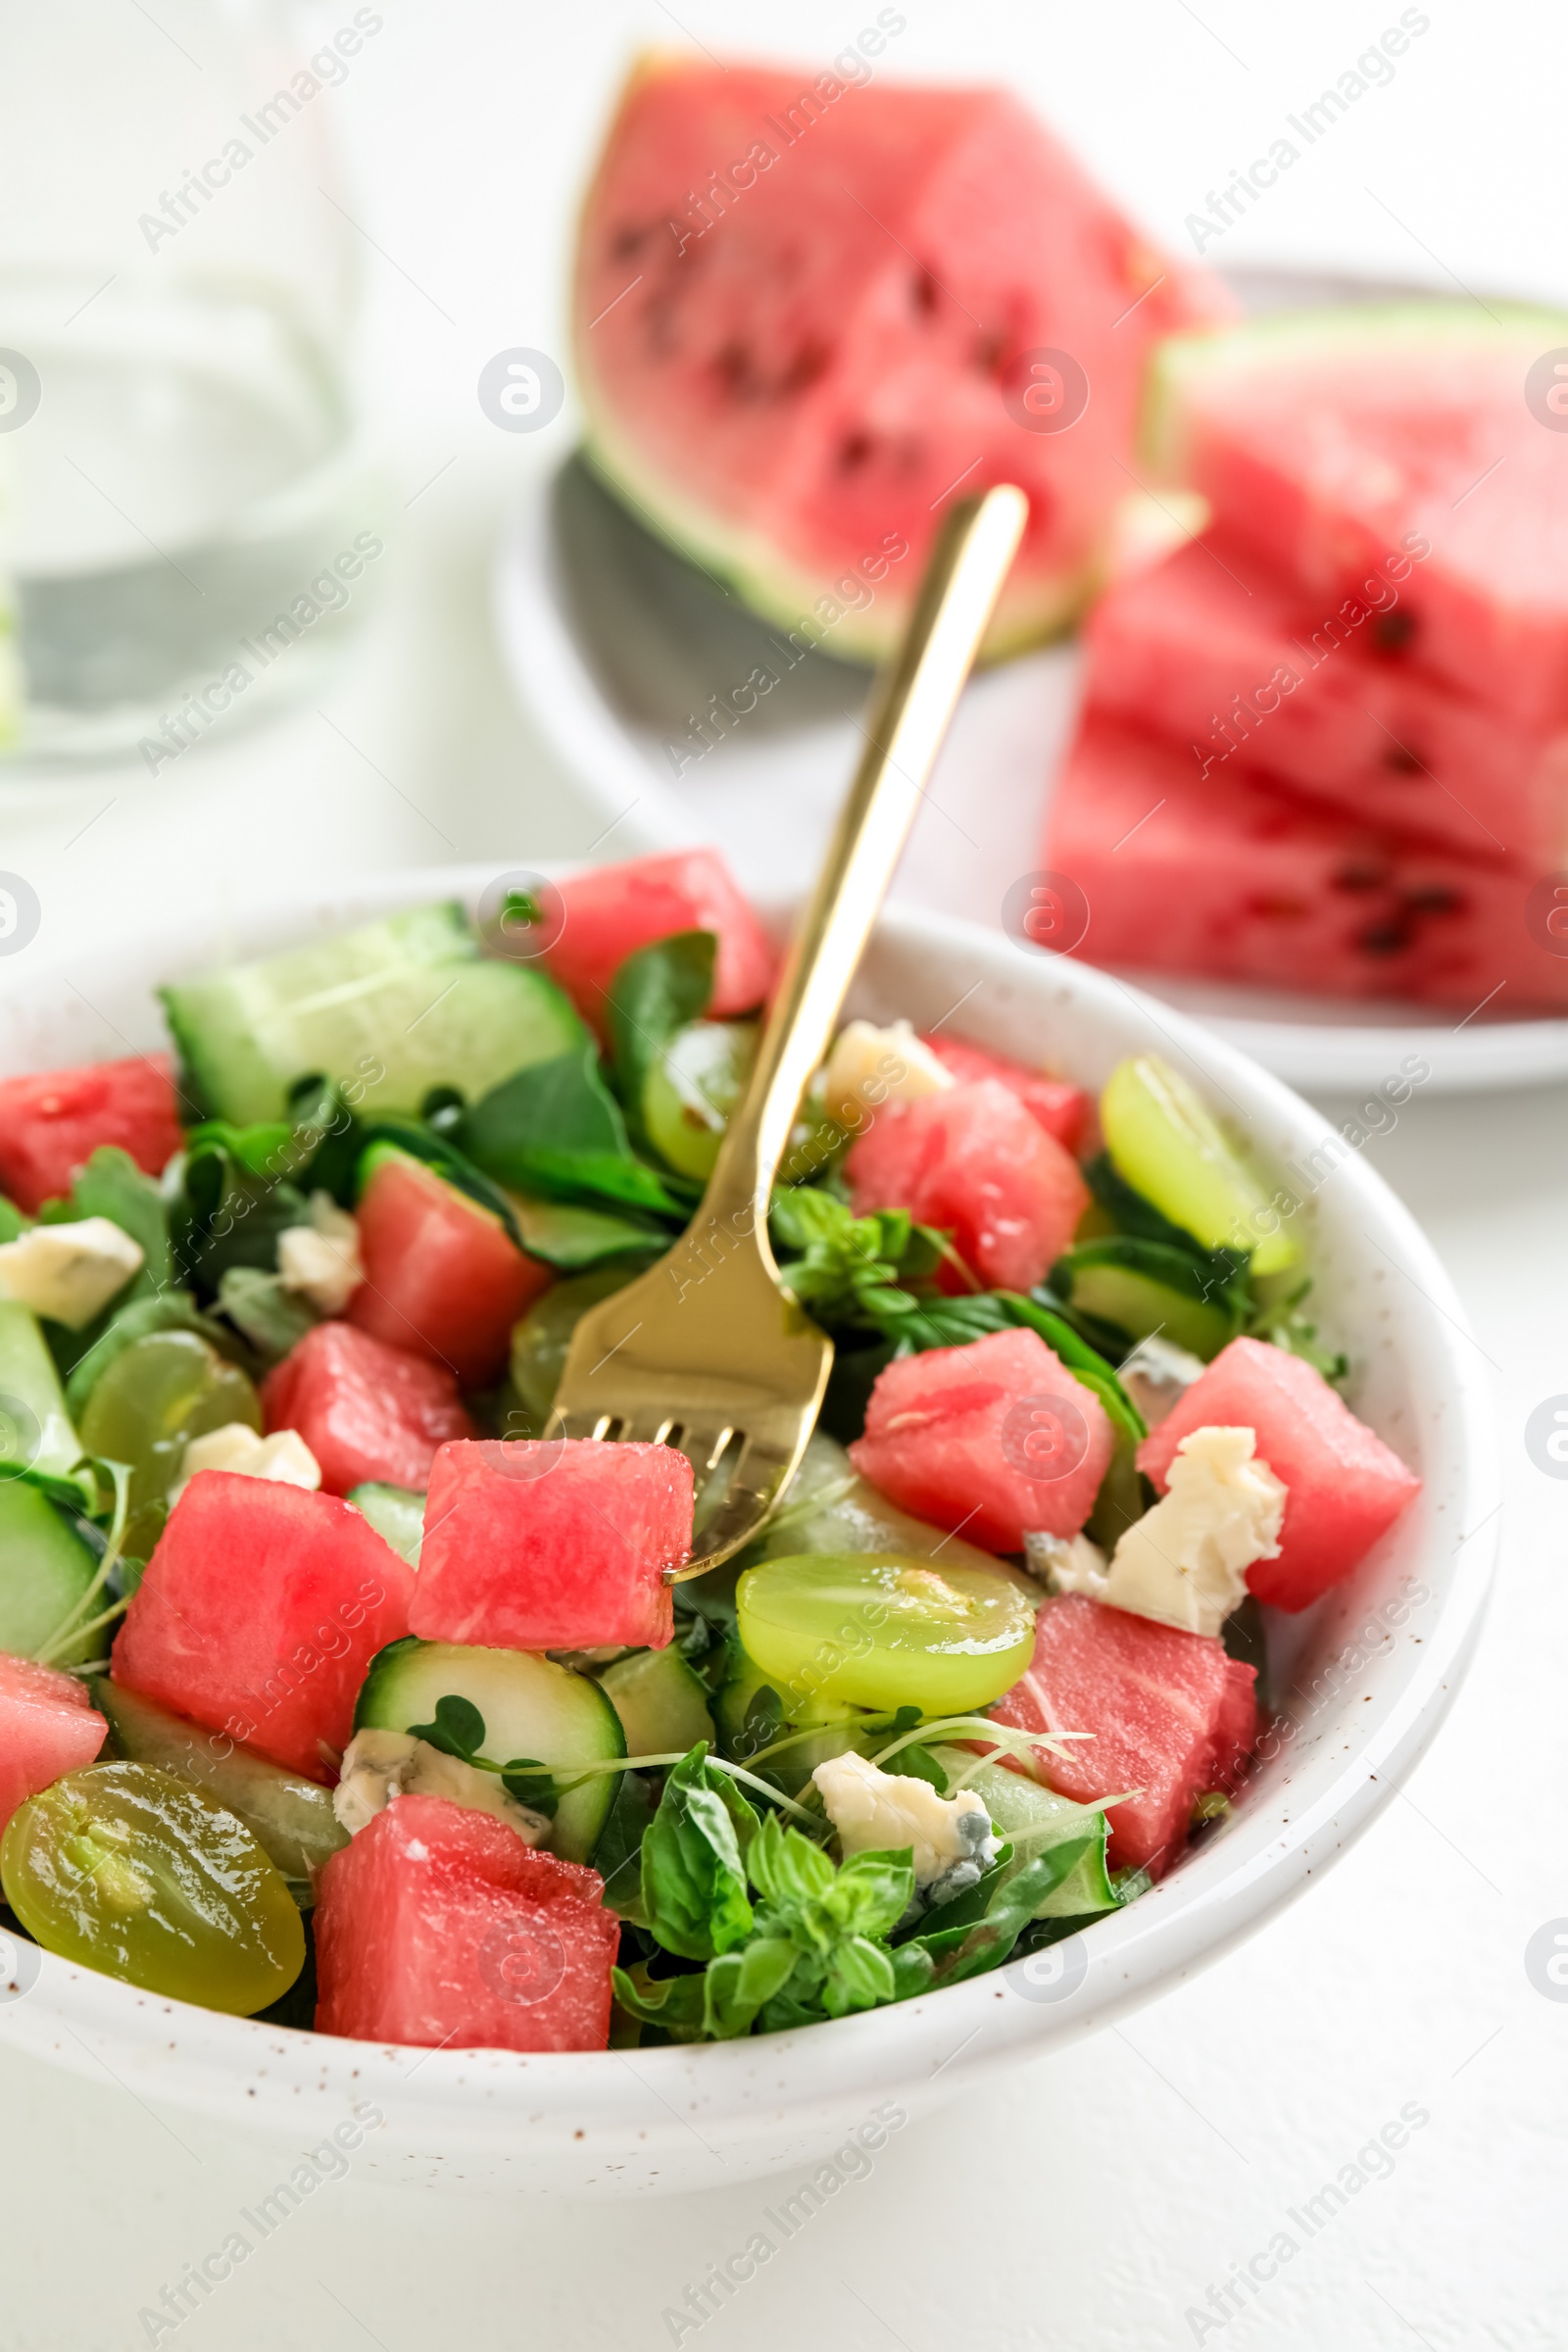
541, 1339
157, 1394
127, 1870
884, 1630
693, 1088
1168, 1145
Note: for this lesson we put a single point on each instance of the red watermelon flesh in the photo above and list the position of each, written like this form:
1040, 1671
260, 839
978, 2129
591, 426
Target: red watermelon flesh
559, 1544
369, 1413
1061, 1109
438, 1925
442, 1279
47, 1728
1209, 650
1337, 442
805, 316
976, 1162
609, 912
1167, 1710
993, 1439
52, 1121
260, 1608
1232, 879
1344, 1486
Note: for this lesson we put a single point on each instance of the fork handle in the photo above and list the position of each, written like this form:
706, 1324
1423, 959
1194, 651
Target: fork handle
910, 712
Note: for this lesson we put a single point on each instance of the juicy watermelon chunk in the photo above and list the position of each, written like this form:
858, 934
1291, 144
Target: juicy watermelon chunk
1168, 1710
52, 1121
1233, 879
1343, 444
1061, 1109
260, 1608
1212, 650
1343, 1485
370, 1414
48, 1727
442, 1278
609, 912
994, 1438
437, 1925
975, 1161
800, 311
552, 1545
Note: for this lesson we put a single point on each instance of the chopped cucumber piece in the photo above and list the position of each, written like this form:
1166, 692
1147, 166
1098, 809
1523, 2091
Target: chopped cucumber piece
161, 1391
1032, 1819
291, 1819
36, 1432
661, 1704
45, 1567
1166, 1143
532, 1710
397, 1514
387, 1011
1145, 1287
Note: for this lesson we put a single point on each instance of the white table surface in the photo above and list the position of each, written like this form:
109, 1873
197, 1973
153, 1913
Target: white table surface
1093, 2202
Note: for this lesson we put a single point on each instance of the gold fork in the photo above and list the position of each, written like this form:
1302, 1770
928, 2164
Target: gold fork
707, 1351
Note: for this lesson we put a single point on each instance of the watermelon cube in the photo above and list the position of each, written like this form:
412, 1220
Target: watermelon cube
442, 1278
1170, 1713
437, 1926
260, 1611
1061, 1109
1344, 1486
371, 1413
1230, 879
52, 1121
1404, 441
609, 912
559, 1544
802, 309
976, 1162
1212, 650
48, 1727
996, 1438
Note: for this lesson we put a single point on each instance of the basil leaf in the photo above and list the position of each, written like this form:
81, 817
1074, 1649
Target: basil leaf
676, 2004
787, 1869
736, 1985
860, 1975
1007, 1902
693, 1865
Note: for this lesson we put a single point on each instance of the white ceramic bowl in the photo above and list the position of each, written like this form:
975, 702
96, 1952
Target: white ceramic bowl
1369, 1673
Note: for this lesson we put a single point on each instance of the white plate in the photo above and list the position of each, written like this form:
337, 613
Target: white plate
1366, 1675
616, 644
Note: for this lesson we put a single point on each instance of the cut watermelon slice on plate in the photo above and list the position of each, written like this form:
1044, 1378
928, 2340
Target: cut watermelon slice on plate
804, 319
1404, 440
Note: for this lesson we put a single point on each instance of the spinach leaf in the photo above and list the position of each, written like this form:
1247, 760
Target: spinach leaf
654, 994
617, 1856
556, 1130
694, 1867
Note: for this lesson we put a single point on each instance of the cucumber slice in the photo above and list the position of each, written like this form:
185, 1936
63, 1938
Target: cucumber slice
531, 1708
397, 1514
1032, 1819
409, 999
45, 1568
661, 1704
291, 1819
36, 1432
1144, 1287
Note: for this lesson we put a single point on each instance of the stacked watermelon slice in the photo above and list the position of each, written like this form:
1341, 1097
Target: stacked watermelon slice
1325, 745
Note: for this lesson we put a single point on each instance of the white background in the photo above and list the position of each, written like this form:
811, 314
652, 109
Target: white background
1093, 2200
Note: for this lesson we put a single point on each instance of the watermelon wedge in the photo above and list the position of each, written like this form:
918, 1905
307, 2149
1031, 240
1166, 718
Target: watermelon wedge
552, 1545
1170, 1713
804, 318
52, 1121
1061, 1109
1392, 441
1232, 879
993, 1439
978, 1163
1212, 650
442, 1278
372, 1414
437, 1926
260, 1608
1344, 1486
48, 1727
609, 912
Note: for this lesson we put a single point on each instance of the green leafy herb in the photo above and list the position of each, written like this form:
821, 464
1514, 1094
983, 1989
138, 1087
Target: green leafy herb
171, 1310
457, 1729
273, 1320
692, 1866
654, 994
1284, 1325
846, 1270
555, 1130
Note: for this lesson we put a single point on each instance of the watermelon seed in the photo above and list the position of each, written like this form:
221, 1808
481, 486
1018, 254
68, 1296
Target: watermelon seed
1392, 632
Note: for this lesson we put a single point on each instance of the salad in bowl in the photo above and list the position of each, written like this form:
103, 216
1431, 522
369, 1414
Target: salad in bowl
337, 1691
